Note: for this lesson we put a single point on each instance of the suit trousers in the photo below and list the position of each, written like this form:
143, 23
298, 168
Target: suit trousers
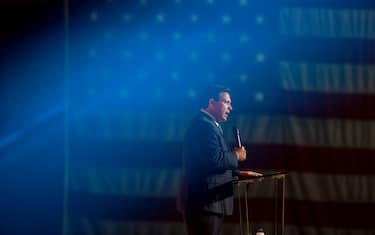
204, 223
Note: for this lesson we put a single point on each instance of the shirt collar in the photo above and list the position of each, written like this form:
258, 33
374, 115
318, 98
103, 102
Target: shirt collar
212, 117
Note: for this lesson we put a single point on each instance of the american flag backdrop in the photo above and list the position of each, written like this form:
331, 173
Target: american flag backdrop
303, 83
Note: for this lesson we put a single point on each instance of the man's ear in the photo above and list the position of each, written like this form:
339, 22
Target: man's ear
211, 101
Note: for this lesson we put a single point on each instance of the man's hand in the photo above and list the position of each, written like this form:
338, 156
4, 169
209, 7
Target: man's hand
241, 153
250, 173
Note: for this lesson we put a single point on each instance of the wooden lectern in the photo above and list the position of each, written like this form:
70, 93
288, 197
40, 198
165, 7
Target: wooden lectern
244, 187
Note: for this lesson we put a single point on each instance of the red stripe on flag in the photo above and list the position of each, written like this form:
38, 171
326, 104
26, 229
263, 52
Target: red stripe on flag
331, 105
310, 159
332, 50
303, 213
260, 156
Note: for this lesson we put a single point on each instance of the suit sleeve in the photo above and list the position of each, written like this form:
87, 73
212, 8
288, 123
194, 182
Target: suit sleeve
217, 157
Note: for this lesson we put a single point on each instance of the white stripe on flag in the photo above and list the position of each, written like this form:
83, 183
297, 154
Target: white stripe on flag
146, 126
164, 182
330, 188
341, 133
320, 77
333, 23
320, 188
148, 182
316, 132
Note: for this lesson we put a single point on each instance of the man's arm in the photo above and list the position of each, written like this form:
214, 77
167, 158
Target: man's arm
217, 158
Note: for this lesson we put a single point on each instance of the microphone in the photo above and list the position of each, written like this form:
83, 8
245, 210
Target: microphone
236, 133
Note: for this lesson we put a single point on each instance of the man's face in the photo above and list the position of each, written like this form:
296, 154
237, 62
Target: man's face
221, 107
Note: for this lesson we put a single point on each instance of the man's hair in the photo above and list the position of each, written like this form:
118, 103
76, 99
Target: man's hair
212, 91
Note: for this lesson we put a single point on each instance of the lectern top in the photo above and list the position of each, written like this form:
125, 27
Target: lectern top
251, 179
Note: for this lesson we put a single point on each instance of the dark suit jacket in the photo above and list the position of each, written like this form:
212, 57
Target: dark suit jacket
208, 166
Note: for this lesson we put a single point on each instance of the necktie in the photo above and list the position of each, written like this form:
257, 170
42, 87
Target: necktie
218, 126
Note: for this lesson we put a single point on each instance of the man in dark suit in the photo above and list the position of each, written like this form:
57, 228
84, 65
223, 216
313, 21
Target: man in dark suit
208, 167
